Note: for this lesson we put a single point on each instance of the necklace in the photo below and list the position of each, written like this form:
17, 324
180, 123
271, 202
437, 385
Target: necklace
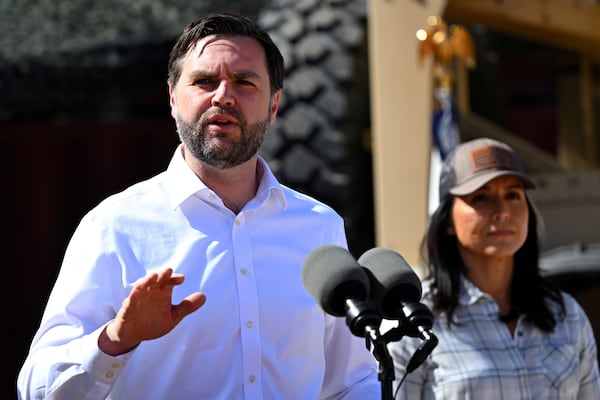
510, 316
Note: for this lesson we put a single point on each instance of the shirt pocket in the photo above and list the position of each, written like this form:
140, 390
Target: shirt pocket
559, 369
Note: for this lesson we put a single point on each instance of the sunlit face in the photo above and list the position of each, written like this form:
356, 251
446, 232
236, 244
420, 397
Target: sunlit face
222, 103
493, 220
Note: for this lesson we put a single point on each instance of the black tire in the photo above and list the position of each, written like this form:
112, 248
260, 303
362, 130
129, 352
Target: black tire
317, 144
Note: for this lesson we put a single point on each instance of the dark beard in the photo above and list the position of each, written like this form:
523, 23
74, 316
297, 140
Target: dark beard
194, 137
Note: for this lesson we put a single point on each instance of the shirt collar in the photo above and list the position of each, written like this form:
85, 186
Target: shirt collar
268, 185
183, 182
469, 293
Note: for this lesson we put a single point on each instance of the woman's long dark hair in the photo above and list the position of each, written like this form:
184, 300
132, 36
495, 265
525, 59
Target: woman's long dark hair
529, 290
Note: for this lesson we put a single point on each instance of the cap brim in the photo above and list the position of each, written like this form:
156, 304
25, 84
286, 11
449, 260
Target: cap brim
478, 181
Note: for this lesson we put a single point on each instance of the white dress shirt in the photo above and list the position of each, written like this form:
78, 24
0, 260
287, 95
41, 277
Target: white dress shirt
260, 335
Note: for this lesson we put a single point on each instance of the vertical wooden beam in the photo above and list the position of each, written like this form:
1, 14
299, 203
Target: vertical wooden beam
401, 107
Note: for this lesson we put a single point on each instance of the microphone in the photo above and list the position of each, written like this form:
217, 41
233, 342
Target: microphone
392, 281
419, 320
396, 292
335, 280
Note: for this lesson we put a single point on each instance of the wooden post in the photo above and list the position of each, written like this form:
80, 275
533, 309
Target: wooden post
401, 110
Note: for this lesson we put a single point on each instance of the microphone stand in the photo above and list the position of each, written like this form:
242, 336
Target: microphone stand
364, 320
415, 322
377, 344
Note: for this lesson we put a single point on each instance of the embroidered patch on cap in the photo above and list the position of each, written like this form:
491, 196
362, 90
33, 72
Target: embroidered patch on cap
489, 157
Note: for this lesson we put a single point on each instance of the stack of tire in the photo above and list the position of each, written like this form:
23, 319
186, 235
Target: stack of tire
319, 143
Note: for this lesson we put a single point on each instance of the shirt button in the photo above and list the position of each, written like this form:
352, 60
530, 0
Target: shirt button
212, 196
115, 366
244, 271
252, 378
109, 375
249, 324
237, 222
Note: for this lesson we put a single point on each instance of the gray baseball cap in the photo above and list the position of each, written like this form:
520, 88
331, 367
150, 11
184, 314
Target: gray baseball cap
474, 163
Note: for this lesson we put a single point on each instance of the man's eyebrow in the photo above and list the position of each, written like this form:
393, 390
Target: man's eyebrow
200, 73
246, 75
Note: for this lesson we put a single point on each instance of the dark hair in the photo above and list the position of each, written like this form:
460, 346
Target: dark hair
226, 24
529, 290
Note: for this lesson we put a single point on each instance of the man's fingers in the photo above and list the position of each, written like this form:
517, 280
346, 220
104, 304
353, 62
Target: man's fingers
166, 277
176, 279
188, 305
162, 279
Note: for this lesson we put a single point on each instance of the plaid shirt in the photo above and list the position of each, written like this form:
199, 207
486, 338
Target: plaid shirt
480, 359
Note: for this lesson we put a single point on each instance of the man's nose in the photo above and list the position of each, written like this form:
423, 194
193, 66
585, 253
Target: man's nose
223, 96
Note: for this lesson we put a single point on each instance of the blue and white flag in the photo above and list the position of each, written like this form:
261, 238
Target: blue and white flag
445, 122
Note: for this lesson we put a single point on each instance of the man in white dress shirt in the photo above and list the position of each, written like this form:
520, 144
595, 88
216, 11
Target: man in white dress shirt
188, 285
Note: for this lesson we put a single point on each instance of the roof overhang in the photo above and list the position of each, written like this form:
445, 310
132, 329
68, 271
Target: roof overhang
572, 25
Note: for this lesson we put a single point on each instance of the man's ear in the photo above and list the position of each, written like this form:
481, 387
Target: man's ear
275, 106
172, 101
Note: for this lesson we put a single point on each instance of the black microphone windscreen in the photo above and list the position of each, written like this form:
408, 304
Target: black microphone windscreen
393, 281
332, 275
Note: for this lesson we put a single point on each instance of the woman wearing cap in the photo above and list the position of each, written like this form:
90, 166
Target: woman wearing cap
504, 332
